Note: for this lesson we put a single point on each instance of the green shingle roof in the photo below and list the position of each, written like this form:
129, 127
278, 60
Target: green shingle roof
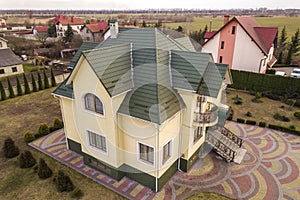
85, 46
64, 90
151, 65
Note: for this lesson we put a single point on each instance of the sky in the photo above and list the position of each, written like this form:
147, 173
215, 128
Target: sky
139, 4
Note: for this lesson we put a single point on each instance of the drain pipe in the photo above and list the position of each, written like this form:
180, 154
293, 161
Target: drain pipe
157, 158
180, 141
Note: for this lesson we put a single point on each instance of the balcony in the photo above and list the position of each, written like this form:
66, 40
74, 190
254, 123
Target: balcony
209, 116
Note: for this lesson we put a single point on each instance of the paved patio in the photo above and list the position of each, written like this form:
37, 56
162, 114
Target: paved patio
270, 169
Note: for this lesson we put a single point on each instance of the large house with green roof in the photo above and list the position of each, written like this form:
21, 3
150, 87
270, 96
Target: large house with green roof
141, 104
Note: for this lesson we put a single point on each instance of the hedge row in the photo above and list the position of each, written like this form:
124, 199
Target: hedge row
41, 85
271, 126
264, 82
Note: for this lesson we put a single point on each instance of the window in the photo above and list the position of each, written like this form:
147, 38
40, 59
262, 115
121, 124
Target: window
14, 69
166, 151
197, 134
87, 31
0, 44
97, 141
222, 44
93, 103
221, 59
233, 30
146, 153
2, 71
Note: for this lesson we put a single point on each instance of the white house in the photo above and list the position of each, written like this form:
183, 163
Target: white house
243, 44
62, 22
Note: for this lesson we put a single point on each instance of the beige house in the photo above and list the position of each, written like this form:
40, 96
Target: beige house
10, 64
142, 105
61, 23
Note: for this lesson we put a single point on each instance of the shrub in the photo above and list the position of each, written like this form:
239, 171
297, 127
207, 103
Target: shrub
239, 120
297, 114
257, 98
2, 92
251, 122
57, 124
28, 137
34, 87
262, 124
43, 129
270, 71
297, 103
19, 87
26, 85
26, 160
53, 81
230, 113
290, 102
35, 168
10, 89
44, 171
76, 193
292, 127
237, 100
273, 97
9, 148
40, 82
63, 182
46, 80
279, 117
249, 114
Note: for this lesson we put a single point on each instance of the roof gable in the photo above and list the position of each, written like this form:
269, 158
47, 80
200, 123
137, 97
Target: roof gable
65, 20
8, 58
42, 29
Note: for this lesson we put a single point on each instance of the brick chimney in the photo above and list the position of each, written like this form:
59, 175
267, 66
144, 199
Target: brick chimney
72, 19
226, 19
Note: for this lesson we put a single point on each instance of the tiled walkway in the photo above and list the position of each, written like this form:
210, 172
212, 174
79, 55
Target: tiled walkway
270, 169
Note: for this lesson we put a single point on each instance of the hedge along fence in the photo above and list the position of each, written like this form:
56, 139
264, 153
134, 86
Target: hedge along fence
58, 79
275, 84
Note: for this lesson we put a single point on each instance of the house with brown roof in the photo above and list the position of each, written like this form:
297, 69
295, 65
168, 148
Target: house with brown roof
40, 29
243, 44
62, 21
94, 31
10, 64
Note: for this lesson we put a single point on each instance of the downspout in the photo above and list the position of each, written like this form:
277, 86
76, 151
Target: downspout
260, 63
180, 142
157, 159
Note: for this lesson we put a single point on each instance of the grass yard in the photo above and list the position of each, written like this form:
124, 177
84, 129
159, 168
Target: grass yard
22, 114
291, 23
261, 112
28, 67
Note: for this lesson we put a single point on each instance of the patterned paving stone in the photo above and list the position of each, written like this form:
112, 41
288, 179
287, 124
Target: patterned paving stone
269, 170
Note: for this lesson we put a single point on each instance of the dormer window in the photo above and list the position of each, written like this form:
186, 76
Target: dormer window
93, 103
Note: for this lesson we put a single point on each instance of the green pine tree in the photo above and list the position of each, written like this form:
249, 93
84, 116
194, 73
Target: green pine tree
46, 80
19, 87
68, 34
34, 87
2, 92
26, 85
52, 30
144, 24
40, 82
10, 89
53, 81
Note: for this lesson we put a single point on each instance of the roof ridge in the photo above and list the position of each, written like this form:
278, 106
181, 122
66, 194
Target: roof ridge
171, 40
104, 48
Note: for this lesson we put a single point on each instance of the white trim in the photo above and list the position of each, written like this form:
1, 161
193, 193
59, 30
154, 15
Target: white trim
136, 118
171, 152
57, 95
193, 91
170, 69
75, 69
95, 148
121, 93
138, 154
90, 111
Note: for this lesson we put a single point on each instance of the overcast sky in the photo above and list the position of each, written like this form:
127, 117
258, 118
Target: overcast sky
142, 4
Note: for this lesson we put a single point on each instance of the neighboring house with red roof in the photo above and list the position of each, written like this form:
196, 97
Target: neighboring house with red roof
94, 31
40, 29
62, 21
243, 44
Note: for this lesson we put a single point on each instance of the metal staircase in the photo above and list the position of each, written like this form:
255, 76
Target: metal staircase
226, 144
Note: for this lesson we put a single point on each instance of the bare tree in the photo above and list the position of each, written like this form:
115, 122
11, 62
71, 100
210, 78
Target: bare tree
42, 38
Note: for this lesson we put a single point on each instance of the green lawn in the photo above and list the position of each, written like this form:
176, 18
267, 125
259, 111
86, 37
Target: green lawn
31, 68
291, 23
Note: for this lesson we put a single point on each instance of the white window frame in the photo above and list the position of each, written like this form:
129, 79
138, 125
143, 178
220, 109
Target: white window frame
94, 147
170, 142
139, 154
90, 111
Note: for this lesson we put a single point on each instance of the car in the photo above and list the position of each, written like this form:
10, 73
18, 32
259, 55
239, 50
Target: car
280, 73
295, 73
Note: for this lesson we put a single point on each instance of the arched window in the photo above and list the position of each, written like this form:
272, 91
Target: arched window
93, 103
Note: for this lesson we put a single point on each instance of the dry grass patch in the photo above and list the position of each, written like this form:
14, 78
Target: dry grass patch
263, 111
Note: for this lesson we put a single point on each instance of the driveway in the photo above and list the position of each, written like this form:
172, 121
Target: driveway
270, 169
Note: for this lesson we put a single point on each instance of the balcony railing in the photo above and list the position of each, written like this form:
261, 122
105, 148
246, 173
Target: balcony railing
208, 116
